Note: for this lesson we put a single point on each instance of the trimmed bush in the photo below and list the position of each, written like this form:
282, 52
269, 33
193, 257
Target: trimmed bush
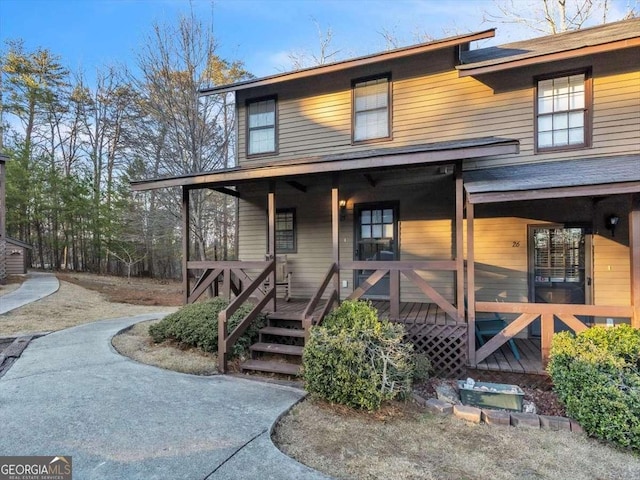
596, 375
355, 359
196, 325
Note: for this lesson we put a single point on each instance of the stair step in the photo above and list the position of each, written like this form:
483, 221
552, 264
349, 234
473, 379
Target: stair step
285, 316
272, 367
277, 348
282, 332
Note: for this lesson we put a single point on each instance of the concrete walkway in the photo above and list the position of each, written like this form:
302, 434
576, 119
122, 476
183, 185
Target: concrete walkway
37, 286
72, 394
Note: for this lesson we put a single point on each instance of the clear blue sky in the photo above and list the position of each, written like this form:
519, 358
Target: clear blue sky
87, 34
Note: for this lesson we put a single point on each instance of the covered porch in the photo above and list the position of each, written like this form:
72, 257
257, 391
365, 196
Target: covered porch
441, 321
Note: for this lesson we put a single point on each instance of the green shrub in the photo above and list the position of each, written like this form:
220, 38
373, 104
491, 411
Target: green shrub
355, 359
196, 325
595, 374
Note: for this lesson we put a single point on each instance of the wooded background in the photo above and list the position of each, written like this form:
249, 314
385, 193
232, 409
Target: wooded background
74, 145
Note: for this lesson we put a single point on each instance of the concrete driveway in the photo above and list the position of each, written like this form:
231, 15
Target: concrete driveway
72, 394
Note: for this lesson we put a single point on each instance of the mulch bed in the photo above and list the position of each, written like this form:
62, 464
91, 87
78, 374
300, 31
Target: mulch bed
546, 402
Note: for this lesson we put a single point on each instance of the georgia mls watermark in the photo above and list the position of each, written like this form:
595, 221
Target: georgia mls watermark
35, 468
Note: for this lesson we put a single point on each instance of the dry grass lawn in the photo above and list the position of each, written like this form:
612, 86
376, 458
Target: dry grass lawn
71, 305
403, 442
136, 343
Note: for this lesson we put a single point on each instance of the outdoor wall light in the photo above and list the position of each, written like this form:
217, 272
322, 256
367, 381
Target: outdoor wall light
343, 209
611, 222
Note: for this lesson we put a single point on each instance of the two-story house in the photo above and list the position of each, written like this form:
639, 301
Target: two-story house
486, 198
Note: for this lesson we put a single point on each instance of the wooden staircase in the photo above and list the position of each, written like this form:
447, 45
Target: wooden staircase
279, 347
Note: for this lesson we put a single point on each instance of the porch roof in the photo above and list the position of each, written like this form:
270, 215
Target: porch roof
567, 178
430, 153
561, 46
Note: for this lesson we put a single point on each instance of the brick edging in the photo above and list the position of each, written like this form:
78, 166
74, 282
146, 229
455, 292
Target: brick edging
498, 417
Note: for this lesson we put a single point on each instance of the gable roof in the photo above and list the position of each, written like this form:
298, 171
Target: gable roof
558, 179
561, 46
353, 62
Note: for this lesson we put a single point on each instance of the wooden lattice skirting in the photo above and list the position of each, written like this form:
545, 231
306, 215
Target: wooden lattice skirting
444, 345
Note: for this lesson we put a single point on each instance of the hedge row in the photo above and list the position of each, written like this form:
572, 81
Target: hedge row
596, 375
196, 325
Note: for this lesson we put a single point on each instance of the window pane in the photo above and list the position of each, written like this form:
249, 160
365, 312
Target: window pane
387, 216
388, 231
545, 88
262, 140
545, 105
560, 137
377, 231
545, 139
561, 85
262, 114
561, 102
285, 231
576, 119
365, 231
366, 216
371, 124
545, 124
576, 136
560, 121
377, 216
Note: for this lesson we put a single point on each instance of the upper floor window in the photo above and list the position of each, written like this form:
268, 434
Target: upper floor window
562, 110
371, 109
261, 126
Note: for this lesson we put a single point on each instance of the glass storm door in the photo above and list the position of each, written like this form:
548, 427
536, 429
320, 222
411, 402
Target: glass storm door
376, 240
558, 268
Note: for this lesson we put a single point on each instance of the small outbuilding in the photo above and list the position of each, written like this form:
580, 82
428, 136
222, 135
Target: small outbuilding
16, 256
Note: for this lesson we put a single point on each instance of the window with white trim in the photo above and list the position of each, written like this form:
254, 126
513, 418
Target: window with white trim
371, 107
261, 126
562, 111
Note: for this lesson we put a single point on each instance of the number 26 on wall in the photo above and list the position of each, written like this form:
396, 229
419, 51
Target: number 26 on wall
515, 244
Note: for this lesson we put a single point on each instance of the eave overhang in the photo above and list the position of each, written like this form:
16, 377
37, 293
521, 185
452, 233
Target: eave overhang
470, 70
587, 177
352, 63
396, 157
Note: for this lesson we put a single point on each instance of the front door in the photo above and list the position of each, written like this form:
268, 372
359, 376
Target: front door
559, 268
376, 237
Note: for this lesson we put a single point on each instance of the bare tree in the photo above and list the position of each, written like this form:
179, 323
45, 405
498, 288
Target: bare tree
325, 53
555, 16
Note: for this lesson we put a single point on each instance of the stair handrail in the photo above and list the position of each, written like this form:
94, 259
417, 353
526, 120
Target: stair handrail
226, 339
313, 303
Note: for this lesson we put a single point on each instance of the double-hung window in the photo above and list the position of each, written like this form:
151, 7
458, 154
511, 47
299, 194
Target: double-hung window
286, 230
261, 126
371, 109
563, 112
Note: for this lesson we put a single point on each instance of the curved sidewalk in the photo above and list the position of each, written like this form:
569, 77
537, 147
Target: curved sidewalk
72, 394
37, 286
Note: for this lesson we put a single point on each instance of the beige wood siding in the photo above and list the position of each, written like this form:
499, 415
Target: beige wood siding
431, 104
15, 261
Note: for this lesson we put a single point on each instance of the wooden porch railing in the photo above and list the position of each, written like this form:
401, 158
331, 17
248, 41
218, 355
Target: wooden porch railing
380, 269
529, 312
334, 297
233, 273
226, 339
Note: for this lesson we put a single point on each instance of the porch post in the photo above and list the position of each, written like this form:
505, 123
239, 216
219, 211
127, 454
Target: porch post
459, 243
335, 233
634, 249
271, 240
185, 245
471, 286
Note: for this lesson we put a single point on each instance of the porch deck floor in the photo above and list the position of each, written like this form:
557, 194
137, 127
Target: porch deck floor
410, 312
502, 360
